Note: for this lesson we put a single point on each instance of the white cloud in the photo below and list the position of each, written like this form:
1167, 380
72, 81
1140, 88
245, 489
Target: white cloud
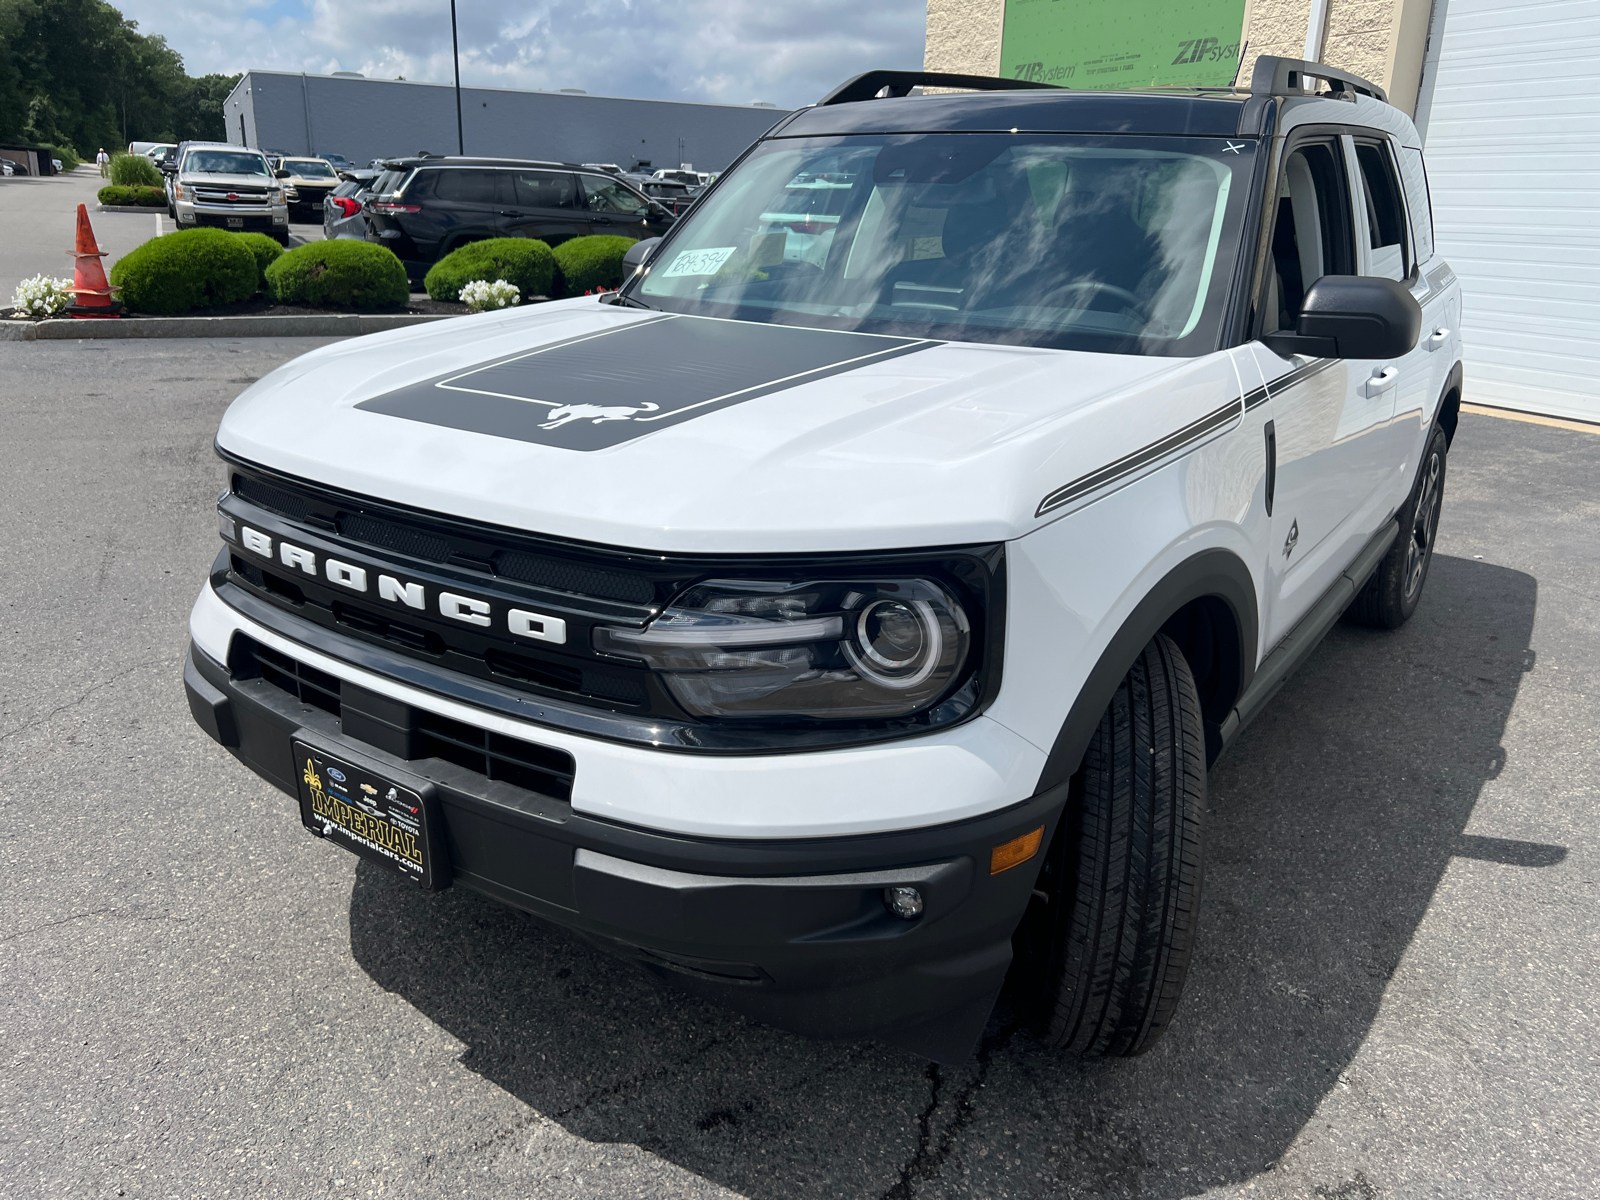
728, 50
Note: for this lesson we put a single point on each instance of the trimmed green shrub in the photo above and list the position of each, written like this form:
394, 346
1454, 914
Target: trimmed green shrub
192, 268
339, 274
133, 197
134, 170
523, 261
266, 250
591, 262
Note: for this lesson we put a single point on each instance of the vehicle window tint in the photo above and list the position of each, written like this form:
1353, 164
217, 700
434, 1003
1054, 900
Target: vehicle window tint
1075, 241
545, 189
1312, 236
1415, 177
467, 187
609, 196
1386, 211
225, 162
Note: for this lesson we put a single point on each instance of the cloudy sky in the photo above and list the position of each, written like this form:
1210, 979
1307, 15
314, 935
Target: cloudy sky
786, 51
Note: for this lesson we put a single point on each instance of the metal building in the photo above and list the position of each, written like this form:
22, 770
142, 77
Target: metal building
364, 119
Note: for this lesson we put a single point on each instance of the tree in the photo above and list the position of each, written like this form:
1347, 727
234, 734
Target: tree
77, 73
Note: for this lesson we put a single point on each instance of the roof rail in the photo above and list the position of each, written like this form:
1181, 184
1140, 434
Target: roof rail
899, 83
1283, 77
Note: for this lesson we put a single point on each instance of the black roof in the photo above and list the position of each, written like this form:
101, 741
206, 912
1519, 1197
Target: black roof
1052, 111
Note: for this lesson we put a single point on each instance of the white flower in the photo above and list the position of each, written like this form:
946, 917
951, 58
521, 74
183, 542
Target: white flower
42, 296
480, 295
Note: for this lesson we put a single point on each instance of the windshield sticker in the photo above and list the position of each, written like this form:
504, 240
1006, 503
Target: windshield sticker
614, 385
698, 262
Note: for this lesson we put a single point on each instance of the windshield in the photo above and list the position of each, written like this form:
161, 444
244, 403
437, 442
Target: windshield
1123, 244
309, 168
225, 162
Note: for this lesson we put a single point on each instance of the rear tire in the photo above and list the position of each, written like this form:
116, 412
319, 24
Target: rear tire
1391, 595
1102, 959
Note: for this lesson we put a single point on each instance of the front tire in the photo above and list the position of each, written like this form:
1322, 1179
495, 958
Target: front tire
1391, 595
1103, 953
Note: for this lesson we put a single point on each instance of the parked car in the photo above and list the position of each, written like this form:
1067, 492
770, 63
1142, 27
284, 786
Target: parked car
344, 211
608, 168
6, 168
446, 202
337, 161
307, 182
685, 175
671, 194
159, 154
231, 187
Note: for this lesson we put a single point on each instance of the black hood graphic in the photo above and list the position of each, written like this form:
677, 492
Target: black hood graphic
602, 389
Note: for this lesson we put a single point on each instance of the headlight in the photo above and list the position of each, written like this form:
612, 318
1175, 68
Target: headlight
278, 195
828, 649
177, 191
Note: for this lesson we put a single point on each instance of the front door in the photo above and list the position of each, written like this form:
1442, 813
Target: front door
1329, 415
547, 207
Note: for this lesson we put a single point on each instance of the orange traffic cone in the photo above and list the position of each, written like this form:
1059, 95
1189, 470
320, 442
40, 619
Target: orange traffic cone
89, 277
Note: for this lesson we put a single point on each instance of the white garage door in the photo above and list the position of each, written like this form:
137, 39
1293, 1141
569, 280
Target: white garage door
1513, 148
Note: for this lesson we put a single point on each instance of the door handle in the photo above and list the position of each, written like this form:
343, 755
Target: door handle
596, 219
1381, 381
509, 212
1437, 338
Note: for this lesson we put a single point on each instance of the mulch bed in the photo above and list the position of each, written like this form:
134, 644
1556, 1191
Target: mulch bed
262, 307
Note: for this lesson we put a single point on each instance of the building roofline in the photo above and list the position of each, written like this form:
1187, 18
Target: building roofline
352, 79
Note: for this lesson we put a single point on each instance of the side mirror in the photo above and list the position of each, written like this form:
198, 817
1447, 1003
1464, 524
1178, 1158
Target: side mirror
638, 254
280, 173
168, 166
1353, 316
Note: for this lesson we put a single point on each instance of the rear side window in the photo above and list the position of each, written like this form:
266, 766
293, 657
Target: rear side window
545, 189
1415, 178
609, 196
1386, 211
470, 187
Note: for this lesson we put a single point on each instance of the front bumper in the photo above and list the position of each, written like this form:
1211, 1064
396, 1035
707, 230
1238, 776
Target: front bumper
789, 931
260, 220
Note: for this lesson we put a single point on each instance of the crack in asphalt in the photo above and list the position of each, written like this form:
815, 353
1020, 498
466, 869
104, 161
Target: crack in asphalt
622, 1085
79, 699
928, 1159
93, 912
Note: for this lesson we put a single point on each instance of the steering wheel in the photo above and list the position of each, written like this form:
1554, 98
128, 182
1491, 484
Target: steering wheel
1095, 287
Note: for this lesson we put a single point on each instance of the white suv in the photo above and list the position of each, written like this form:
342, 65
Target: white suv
843, 617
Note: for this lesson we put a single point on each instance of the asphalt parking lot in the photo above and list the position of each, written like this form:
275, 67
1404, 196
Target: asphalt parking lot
1395, 993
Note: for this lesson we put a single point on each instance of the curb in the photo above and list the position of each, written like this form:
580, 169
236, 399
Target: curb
133, 208
310, 325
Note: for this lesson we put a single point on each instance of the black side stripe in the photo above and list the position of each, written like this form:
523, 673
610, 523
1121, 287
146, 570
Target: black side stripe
1139, 459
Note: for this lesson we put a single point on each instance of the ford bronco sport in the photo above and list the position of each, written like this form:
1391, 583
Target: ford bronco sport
843, 616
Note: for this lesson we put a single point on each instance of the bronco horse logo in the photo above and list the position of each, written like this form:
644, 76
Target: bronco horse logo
595, 414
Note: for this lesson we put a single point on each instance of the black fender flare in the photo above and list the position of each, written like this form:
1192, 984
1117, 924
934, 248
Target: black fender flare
1215, 572
1445, 413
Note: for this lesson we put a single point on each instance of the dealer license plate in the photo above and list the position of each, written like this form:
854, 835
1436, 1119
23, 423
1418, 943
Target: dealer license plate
378, 818
235, 222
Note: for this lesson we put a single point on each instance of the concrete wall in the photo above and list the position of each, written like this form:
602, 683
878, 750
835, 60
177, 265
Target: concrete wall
1382, 40
364, 119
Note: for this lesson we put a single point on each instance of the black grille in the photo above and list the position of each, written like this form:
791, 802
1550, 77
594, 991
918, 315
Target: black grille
306, 684
415, 537
493, 755
572, 577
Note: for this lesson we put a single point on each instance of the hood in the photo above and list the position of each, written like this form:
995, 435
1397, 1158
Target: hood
653, 431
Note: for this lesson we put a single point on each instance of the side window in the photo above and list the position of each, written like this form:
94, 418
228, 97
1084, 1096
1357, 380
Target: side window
1415, 177
1313, 233
545, 189
467, 187
1386, 211
609, 196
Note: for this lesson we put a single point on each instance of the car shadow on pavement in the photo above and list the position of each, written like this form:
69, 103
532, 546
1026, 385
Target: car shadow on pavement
1331, 823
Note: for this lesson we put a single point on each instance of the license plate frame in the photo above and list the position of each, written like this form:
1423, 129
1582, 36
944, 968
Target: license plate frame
235, 222
388, 817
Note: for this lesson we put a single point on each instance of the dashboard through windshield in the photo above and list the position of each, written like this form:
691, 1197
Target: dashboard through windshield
1121, 244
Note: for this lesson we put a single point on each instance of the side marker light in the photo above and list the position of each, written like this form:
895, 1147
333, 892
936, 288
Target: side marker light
1015, 852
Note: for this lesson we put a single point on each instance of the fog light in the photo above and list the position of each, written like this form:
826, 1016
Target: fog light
903, 902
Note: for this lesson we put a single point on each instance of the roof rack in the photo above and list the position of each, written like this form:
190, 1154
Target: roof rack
900, 83
1284, 77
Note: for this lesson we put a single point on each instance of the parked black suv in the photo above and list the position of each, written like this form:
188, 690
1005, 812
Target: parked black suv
446, 202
